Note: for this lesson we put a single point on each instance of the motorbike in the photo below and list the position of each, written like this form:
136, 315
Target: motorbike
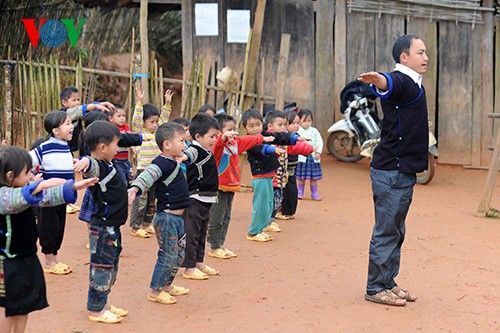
358, 133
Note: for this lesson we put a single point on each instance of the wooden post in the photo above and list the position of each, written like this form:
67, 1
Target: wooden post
187, 44
282, 67
484, 206
143, 28
245, 75
261, 84
325, 93
8, 104
254, 53
340, 47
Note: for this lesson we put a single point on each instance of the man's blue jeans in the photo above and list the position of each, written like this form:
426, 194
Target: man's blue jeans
171, 239
105, 248
392, 195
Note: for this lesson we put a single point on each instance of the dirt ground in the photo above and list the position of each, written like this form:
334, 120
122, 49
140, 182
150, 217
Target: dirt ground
311, 278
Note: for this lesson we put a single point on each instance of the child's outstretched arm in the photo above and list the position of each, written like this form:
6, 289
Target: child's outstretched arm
167, 108
137, 120
144, 181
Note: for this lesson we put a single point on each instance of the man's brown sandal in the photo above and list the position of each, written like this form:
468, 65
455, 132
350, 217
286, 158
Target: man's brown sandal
386, 297
408, 295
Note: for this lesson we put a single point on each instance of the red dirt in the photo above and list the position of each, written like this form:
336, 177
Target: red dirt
311, 278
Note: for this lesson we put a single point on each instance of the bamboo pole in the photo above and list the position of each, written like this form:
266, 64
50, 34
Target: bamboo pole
245, 75
143, 28
157, 84
26, 122
8, 104
53, 84
47, 90
32, 83
58, 85
261, 84
162, 90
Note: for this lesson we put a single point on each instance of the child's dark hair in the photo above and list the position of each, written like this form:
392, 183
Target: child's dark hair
223, 118
205, 107
201, 123
100, 132
88, 119
181, 121
290, 116
402, 45
250, 114
167, 131
272, 115
117, 107
13, 159
54, 119
305, 113
149, 110
36, 143
66, 93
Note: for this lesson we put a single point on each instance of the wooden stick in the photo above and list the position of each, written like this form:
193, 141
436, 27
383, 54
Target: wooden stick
7, 105
282, 67
484, 205
143, 29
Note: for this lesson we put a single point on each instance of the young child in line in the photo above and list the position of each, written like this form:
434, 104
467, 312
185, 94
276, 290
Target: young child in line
146, 120
208, 109
70, 101
185, 124
226, 155
121, 161
276, 122
203, 184
22, 284
290, 198
263, 164
172, 195
56, 161
110, 199
309, 167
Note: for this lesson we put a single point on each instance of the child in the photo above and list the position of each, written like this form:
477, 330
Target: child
56, 161
110, 200
276, 122
208, 109
203, 184
172, 195
70, 100
263, 165
121, 160
290, 191
228, 165
146, 120
309, 168
185, 124
22, 285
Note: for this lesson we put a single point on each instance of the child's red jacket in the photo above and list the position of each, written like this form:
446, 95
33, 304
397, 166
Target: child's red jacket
228, 162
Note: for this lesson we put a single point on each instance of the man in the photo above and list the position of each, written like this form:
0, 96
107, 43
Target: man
401, 154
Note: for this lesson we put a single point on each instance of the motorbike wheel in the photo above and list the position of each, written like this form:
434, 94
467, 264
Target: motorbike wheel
426, 176
343, 147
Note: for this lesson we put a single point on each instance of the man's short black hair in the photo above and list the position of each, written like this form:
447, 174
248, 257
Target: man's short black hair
402, 45
166, 132
148, 111
223, 118
66, 93
250, 114
100, 132
201, 123
272, 115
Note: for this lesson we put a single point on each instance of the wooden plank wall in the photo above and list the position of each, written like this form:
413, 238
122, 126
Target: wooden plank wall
459, 82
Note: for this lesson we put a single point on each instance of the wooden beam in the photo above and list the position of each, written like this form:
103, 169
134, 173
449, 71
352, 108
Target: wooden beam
340, 47
187, 38
253, 57
484, 205
324, 78
143, 26
282, 68
487, 81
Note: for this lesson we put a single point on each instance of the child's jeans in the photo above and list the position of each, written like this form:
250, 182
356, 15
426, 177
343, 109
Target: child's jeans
123, 167
105, 248
220, 215
263, 203
171, 239
143, 209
